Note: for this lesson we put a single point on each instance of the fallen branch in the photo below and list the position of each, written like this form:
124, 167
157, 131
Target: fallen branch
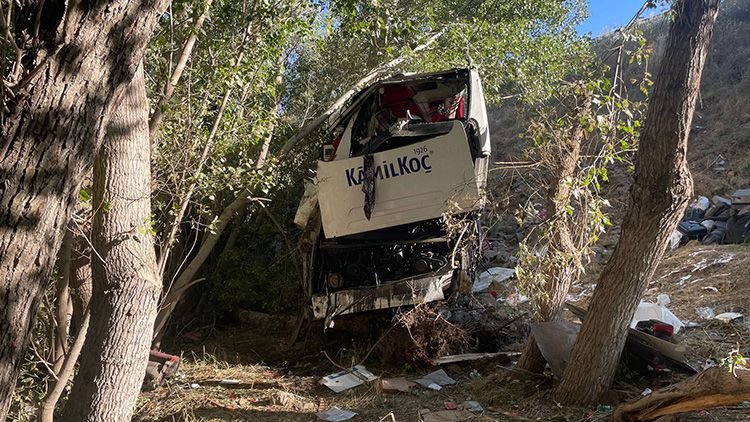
714, 387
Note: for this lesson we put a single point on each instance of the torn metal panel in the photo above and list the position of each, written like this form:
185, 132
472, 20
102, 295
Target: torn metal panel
400, 293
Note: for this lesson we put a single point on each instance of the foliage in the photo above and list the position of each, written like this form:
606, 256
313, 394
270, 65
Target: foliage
612, 128
526, 43
259, 273
31, 386
256, 83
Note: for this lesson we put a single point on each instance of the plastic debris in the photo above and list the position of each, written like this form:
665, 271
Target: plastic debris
229, 382
472, 406
705, 312
728, 317
646, 392
449, 405
486, 278
710, 289
195, 385
647, 311
436, 380
555, 340
675, 239
344, 380
604, 408
514, 299
334, 414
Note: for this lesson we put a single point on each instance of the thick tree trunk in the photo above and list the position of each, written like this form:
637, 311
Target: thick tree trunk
562, 257
126, 286
51, 130
659, 196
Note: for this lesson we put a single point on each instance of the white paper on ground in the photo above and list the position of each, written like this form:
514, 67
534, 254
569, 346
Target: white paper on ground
345, 380
439, 378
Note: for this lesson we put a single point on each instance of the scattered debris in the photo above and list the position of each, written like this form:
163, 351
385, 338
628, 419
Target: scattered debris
646, 392
229, 382
449, 405
160, 368
426, 415
728, 317
705, 312
514, 299
740, 199
675, 240
436, 380
650, 351
658, 311
344, 380
395, 385
498, 274
555, 340
603, 409
292, 401
334, 414
472, 406
465, 357
194, 386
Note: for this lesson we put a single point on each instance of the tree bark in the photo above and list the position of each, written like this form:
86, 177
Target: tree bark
126, 286
563, 259
51, 130
659, 196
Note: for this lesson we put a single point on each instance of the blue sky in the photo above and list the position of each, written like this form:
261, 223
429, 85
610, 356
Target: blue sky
606, 15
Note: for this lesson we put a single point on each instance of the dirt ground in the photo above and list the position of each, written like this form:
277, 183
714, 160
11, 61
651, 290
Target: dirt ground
276, 383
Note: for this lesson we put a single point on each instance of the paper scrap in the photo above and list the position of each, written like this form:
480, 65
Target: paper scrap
344, 380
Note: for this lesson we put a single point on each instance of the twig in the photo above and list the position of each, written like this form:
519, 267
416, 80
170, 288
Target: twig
43, 361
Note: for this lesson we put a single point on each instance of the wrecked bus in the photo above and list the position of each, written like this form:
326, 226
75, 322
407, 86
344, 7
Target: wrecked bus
392, 211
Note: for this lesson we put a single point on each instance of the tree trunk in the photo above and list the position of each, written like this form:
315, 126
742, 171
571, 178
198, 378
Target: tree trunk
563, 259
659, 196
126, 286
51, 130
47, 407
63, 305
80, 270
